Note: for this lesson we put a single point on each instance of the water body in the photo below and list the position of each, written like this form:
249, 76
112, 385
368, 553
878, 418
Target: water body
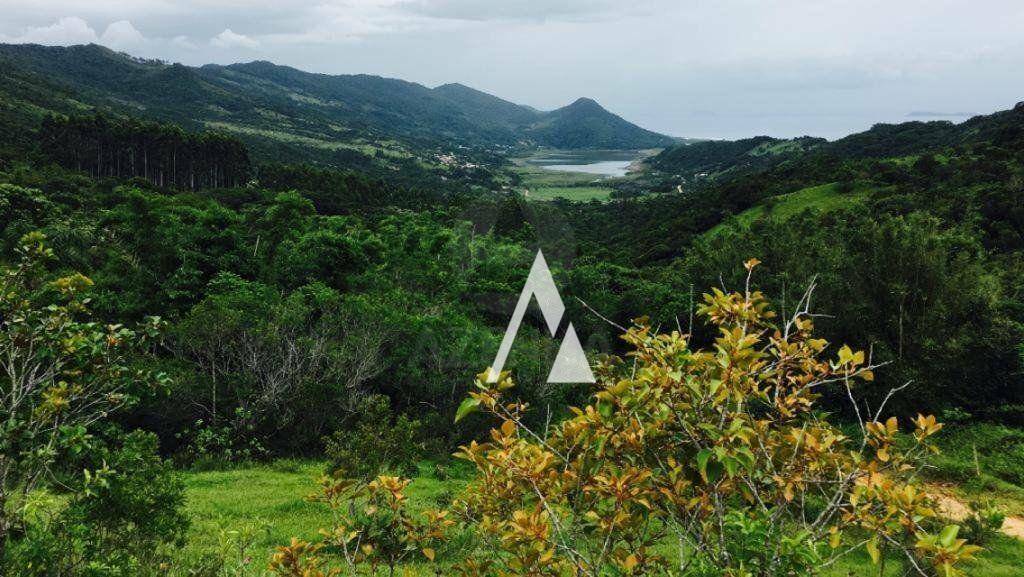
607, 163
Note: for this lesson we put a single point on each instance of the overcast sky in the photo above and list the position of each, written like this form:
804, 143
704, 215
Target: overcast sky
712, 69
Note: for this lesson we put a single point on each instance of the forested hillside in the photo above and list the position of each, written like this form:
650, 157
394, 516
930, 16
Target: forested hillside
278, 108
901, 237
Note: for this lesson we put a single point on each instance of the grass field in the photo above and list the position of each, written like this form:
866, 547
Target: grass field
824, 197
574, 193
542, 184
265, 506
245, 513
984, 461
390, 148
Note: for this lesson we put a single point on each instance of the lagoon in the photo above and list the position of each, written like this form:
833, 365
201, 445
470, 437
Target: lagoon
606, 163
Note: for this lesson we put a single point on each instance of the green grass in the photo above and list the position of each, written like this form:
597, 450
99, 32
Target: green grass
1002, 557
983, 461
542, 184
577, 193
268, 502
825, 197
389, 149
266, 497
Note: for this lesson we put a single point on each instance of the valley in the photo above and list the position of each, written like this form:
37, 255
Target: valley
243, 305
575, 175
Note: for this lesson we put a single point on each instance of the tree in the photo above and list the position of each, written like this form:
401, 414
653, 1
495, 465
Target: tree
925, 295
162, 154
61, 373
721, 451
272, 361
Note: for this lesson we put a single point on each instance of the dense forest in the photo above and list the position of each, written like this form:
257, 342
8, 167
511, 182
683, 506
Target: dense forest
227, 306
161, 154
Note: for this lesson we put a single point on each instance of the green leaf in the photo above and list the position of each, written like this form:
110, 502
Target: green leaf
746, 457
948, 535
731, 466
702, 463
872, 548
714, 385
470, 405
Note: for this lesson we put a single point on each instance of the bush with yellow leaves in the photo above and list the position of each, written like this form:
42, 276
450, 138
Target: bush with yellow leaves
371, 526
706, 463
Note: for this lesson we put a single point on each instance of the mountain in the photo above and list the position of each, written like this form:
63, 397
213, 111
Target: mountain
586, 124
582, 124
489, 109
282, 111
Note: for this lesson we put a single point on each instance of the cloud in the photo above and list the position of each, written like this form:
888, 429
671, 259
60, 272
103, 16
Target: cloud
184, 42
536, 10
345, 21
786, 60
69, 30
64, 32
228, 39
121, 35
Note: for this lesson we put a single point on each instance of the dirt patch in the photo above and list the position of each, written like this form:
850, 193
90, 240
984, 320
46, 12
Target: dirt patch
1014, 527
956, 510
950, 506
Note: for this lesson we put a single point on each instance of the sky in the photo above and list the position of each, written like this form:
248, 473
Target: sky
700, 69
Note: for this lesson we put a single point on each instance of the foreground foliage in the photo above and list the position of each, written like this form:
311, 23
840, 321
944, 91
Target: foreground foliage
63, 376
371, 526
720, 450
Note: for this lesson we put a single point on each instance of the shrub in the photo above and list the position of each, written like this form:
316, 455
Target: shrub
212, 446
721, 451
376, 444
125, 508
984, 522
62, 374
372, 526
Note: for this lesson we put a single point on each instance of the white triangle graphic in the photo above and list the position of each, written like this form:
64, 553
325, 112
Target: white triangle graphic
571, 364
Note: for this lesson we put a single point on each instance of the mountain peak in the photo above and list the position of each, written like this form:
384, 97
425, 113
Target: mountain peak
453, 86
256, 65
459, 90
584, 103
91, 47
586, 124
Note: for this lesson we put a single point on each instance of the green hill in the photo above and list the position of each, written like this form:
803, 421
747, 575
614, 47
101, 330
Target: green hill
488, 109
586, 124
580, 125
716, 156
824, 198
723, 158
